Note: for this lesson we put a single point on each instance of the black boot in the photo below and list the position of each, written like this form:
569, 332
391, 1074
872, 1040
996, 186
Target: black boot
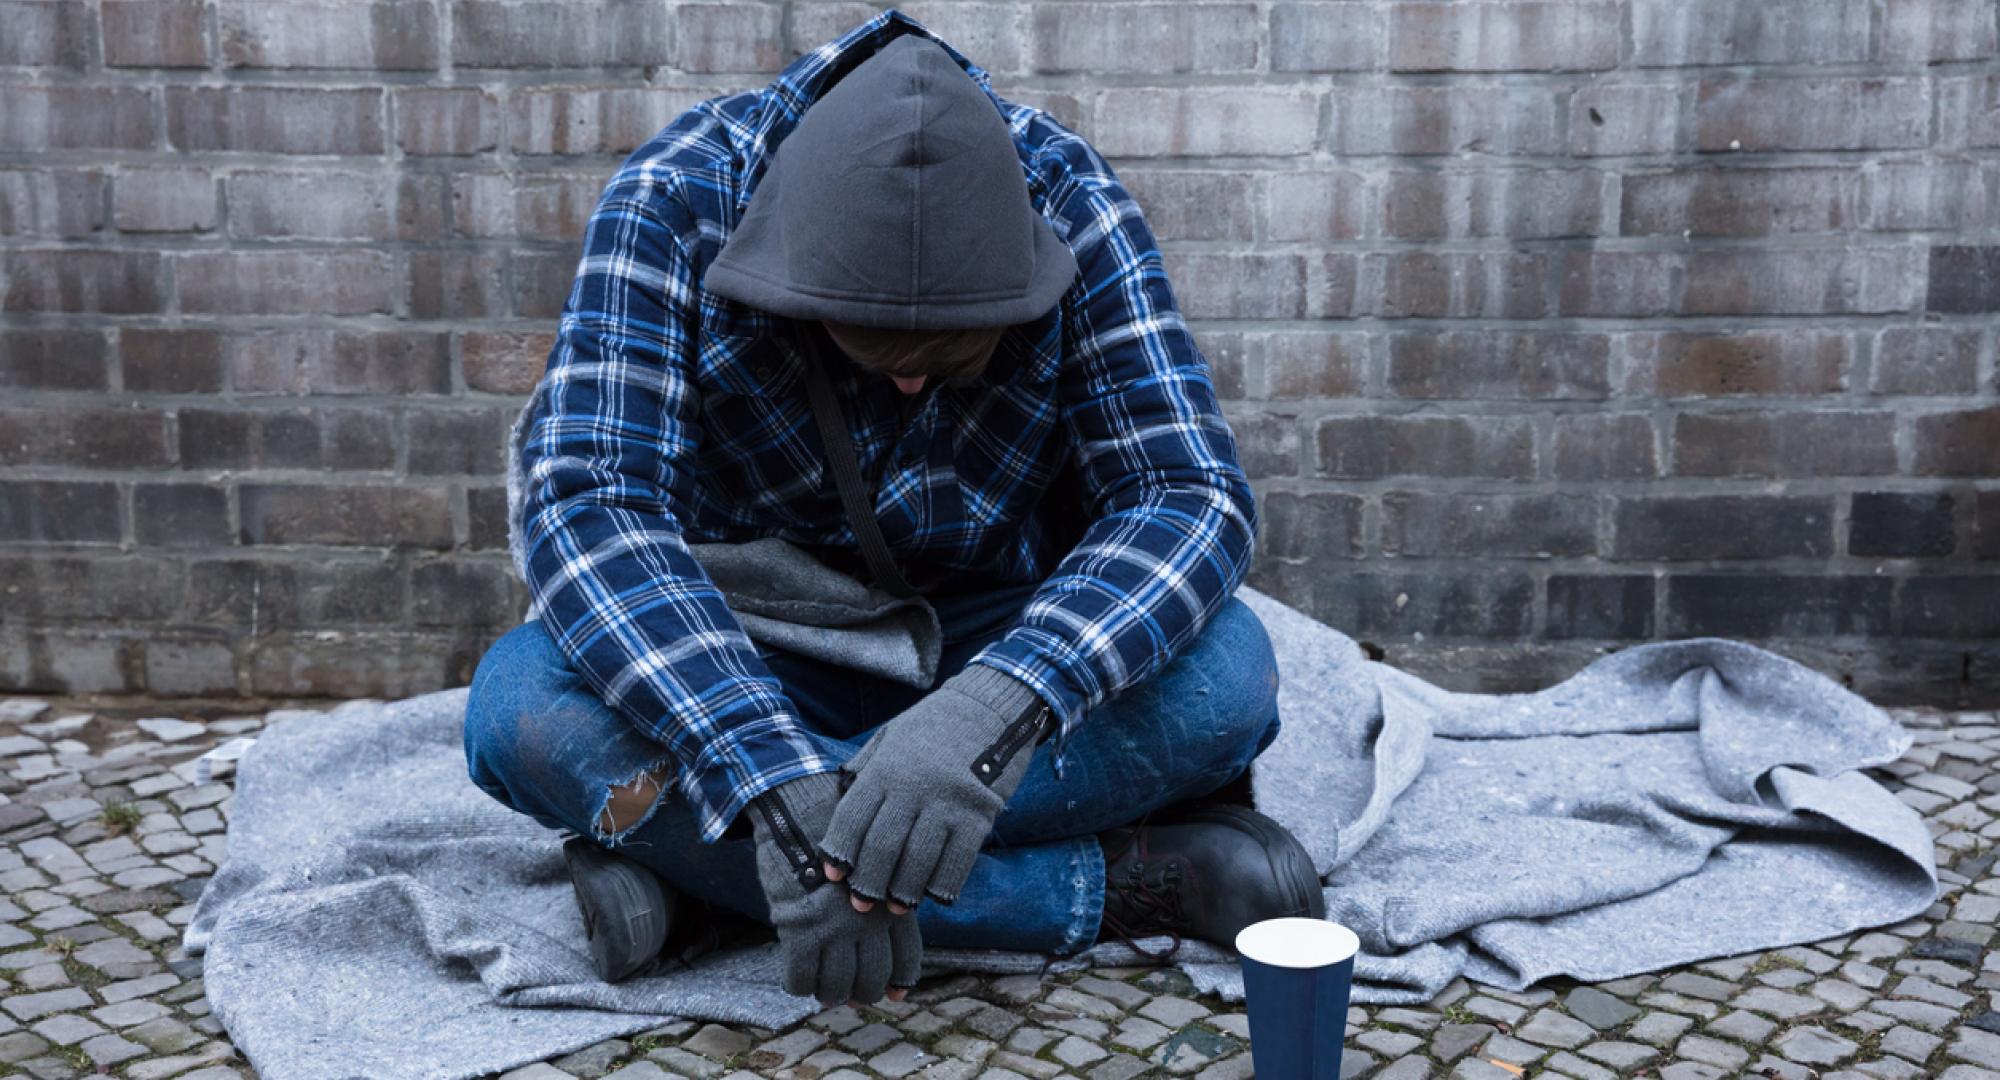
627, 910
1207, 870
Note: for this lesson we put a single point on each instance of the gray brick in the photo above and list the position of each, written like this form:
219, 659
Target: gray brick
1502, 119
559, 33
1672, 33
1518, 203
1530, 36
1777, 606
44, 33
1499, 364
1700, 527
336, 282
1484, 526
1776, 444
155, 34
57, 203
728, 37
1369, 447
1927, 31
326, 205
1206, 121
383, 35
364, 516
165, 200
1096, 38
1926, 360
446, 120
54, 358
60, 512
83, 281
1738, 202
1812, 114
276, 119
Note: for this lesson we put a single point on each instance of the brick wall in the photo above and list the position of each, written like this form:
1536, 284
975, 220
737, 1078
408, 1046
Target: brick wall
1547, 325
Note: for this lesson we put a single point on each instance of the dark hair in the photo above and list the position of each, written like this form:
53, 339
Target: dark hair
941, 354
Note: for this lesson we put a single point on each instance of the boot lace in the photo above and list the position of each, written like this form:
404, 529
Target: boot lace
1151, 892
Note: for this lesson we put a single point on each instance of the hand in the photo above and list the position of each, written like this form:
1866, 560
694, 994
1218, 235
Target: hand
926, 788
831, 950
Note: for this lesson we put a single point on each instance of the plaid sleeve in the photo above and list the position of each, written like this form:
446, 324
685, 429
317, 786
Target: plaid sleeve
1172, 513
607, 458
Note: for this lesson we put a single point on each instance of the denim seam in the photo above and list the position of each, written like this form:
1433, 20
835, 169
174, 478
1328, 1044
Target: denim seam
1087, 904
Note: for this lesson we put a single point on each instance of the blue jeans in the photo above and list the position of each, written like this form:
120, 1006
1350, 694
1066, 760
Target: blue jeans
540, 740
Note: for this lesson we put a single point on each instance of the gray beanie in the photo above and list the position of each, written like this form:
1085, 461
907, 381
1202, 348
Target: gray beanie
897, 201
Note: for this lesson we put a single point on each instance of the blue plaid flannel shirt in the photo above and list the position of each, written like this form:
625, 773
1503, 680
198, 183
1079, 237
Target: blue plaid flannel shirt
1091, 456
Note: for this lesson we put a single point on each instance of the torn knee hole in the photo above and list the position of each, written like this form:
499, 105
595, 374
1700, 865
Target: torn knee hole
629, 803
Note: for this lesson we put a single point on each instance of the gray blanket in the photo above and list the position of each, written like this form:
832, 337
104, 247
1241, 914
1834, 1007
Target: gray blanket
379, 916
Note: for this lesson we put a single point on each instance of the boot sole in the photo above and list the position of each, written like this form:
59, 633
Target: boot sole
1289, 857
626, 909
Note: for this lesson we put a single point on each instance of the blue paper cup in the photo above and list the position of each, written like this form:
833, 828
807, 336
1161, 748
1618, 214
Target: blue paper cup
1296, 977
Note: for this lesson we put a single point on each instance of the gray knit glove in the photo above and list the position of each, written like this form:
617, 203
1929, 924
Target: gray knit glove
830, 950
926, 788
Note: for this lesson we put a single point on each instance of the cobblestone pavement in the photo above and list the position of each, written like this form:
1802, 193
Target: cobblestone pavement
106, 838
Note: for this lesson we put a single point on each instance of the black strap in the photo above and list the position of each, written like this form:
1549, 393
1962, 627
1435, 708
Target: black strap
833, 431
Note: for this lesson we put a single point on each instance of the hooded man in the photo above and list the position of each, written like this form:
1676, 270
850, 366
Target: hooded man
923, 333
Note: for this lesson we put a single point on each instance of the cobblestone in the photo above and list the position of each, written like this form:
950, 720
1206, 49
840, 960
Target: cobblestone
79, 898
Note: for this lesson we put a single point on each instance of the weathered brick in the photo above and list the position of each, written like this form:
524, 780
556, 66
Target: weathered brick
1459, 285
54, 358
1691, 527
229, 438
1760, 362
44, 33
180, 515
379, 35
1267, 444
276, 119
1496, 119
165, 200
504, 363
1673, 33
993, 34
65, 116
364, 663
1306, 207
1222, 285
1964, 280
1309, 525
360, 516
1517, 203
1620, 283
541, 283
1813, 114
1926, 360
458, 284
1503, 364
170, 361
1969, 111
1206, 204
361, 438
1900, 195
559, 33
441, 120
292, 282
1785, 444
90, 437
581, 120
295, 595
1617, 606
1603, 446
1368, 447
486, 518
340, 362
455, 442
465, 594
1738, 202
728, 37
82, 281
1965, 442
1096, 38
1927, 31
189, 666
1952, 606
542, 207
59, 203
1472, 604
1488, 526
59, 512
1206, 121
1854, 280
1986, 525
1227, 354
40, 585
328, 205
1901, 524
1313, 364
155, 33
1326, 37
1566, 35
1625, 118
1777, 605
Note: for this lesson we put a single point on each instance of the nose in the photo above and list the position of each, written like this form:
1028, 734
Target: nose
908, 385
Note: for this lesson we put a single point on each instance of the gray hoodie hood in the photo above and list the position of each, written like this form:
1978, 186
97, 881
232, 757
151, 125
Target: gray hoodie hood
897, 201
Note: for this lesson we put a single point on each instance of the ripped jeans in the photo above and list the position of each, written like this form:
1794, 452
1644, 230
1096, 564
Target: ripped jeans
540, 740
